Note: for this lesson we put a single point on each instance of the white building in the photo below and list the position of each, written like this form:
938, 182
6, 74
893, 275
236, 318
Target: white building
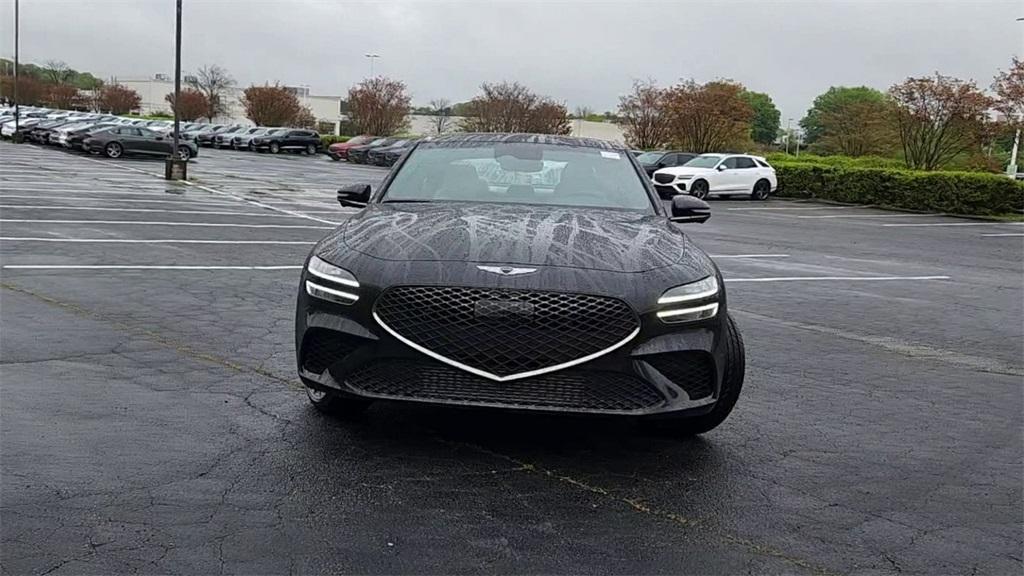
154, 93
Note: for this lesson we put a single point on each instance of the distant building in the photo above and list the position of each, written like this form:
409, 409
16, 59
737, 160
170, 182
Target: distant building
154, 91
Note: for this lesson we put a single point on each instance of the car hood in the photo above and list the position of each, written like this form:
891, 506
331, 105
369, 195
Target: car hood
610, 240
686, 171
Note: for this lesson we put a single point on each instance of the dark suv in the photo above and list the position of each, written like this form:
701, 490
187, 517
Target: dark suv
658, 159
306, 141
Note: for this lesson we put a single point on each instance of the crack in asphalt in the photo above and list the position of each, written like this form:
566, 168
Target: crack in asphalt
897, 346
635, 504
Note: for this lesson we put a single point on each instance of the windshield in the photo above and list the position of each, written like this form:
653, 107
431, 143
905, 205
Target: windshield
649, 157
709, 161
525, 173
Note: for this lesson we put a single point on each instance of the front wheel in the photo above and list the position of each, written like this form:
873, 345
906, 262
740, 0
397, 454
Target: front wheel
113, 150
334, 404
761, 190
732, 384
275, 147
699, 189
184, 153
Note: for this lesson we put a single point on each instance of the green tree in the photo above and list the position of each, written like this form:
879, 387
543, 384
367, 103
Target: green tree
834, 101
764, 126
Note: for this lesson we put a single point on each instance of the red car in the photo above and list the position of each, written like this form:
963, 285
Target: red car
339, 150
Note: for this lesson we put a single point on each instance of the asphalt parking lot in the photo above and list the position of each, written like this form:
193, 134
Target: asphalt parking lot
153, 423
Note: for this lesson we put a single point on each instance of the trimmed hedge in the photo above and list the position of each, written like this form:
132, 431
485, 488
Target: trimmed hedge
329, 139
839, 161
951, 192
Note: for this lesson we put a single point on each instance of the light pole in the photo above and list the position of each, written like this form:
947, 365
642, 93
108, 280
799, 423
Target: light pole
372, 57
175, 168
789, 133
17, 109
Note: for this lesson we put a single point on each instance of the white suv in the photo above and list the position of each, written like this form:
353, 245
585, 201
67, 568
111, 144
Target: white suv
722, 174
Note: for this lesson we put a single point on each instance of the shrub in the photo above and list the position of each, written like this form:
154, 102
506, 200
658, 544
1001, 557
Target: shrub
838, 161
950, 192
329, 139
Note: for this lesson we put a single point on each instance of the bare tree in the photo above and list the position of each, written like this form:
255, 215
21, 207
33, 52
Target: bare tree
938, 118
304, 118
270, 105
512, 107
57, 72
118, 99
857, 128
379, 106
1009, 89
64, 97
643, 117
214, 82
441, 110
193, 104
708, 117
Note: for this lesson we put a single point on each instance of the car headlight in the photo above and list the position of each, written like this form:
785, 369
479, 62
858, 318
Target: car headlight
333, 275
684, 176
693, 293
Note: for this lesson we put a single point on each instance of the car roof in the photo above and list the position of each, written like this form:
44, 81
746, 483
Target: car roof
505, 138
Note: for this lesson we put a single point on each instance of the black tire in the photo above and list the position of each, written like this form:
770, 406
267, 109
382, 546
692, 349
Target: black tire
699, 189
762, 188
732, 384
334, 404
184, 153
275, 147
311, 149
113, 150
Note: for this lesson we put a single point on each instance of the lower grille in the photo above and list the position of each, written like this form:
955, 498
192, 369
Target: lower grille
321, 348
580, 390
669, 190
664, 178
694, 372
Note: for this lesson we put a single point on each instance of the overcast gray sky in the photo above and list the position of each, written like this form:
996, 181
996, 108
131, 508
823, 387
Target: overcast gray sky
582, 53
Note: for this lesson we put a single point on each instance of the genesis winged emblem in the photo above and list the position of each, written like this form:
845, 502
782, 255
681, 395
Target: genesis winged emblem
507, 270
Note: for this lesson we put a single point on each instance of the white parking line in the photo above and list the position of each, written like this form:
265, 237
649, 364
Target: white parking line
150, 223
109, 198
956, 224
138, 267
155, 241
835, 278
228, 194
1007, 234
162, 210
871, 216
796, 208
720, 256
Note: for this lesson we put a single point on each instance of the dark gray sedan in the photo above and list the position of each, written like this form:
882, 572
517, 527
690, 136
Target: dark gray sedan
122, 140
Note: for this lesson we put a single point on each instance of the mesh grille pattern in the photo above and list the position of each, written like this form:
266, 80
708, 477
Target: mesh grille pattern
321, 348
566, 389
694, 372
504, 331
664, 178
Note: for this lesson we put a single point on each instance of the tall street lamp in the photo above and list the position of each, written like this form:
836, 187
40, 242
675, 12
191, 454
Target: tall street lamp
372, 57
17, 109
176, 168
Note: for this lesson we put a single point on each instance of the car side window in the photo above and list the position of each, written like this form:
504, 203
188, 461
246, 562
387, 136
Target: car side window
730, 163
114, 131
744, 162
129, 131
762, 164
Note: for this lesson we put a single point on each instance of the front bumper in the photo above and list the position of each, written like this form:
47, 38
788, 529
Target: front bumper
662, 369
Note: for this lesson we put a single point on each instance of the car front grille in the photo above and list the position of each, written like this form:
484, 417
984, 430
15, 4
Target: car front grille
664, 178
506, 332
322, 347
694, 372
571, 389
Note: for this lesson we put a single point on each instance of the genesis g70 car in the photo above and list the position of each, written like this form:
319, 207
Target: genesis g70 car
519, 271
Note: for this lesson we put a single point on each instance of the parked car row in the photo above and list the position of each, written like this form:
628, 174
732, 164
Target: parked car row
111, 136
366, 149
254, 138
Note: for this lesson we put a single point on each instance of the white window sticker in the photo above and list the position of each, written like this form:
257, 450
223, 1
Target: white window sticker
610, 155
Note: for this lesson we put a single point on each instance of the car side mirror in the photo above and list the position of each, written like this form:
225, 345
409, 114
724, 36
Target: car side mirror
721, 168
354, 195
686, 208
159, 137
